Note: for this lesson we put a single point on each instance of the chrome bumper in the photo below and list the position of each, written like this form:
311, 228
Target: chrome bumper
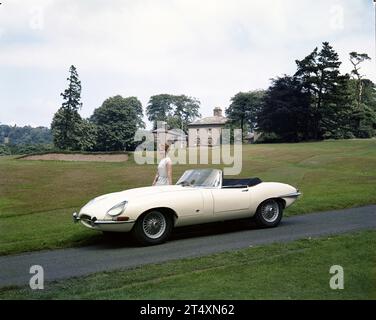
291, 195
75, 217
94, 222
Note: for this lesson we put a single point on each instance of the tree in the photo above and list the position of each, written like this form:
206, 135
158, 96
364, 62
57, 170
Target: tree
66, 121
363, 94
72, 95
244, 108
177, 110
25, 135
66, 129
173, 122
159, 108
356, 59
286, 110
117, 121
363, 116
186, 109
366, 119
320, 77
88, 134
369, 94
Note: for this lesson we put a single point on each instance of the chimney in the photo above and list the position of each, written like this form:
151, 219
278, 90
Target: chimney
217, 112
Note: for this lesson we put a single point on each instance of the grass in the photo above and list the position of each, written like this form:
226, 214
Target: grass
37, 198
296, 270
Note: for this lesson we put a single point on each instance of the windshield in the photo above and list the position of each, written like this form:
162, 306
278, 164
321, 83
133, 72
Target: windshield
201, 178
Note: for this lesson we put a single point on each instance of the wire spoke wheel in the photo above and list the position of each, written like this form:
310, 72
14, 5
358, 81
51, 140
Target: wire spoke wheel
270, 211
154, 224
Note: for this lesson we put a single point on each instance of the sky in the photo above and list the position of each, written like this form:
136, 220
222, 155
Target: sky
209, 49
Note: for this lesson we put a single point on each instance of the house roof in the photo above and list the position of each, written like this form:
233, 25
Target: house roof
209, 120
173, 132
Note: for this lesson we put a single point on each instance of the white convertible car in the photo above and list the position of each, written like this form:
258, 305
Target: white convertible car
200, 196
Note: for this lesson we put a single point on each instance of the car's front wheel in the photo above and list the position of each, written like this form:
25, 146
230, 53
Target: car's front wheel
153, 227
269, 213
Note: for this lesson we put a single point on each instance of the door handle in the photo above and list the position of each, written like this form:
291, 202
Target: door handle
245, 190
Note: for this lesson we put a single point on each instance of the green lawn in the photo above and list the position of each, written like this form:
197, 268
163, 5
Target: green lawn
296, 270
37, 198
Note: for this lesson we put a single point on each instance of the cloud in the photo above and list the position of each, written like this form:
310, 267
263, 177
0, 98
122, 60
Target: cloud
208, 49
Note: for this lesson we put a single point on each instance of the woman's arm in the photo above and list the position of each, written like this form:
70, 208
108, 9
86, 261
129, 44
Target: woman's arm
155, 179
169, 172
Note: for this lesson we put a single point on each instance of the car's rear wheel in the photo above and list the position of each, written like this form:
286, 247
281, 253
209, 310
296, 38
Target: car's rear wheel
153, 227
269, 213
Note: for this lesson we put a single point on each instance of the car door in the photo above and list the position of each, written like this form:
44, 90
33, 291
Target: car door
231, 200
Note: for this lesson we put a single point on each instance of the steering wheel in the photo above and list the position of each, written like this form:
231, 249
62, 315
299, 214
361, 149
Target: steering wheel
185, 183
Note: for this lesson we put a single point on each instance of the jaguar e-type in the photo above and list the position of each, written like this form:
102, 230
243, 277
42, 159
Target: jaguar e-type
200, 196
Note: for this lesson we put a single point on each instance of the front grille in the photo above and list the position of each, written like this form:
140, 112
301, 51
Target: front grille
85, 217
87, 220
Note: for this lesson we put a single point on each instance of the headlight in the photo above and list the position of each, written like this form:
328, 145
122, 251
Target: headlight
118, 209
90, 202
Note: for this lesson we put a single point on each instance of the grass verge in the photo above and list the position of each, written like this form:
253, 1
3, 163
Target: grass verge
296, 270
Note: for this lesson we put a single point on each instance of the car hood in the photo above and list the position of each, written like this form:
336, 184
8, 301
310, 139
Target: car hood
100, 205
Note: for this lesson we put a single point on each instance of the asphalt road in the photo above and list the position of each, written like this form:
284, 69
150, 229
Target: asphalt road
120, 253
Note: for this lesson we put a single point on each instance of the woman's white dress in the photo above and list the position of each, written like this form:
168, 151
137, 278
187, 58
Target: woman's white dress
162, 172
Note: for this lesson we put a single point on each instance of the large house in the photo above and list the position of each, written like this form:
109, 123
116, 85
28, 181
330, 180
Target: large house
176, 136
207, 131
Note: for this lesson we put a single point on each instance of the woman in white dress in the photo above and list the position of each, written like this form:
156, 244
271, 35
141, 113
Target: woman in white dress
164, 172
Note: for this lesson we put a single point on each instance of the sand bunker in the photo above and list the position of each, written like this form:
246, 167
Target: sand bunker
79, 157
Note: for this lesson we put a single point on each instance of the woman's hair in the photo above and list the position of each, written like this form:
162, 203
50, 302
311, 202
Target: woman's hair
165, 147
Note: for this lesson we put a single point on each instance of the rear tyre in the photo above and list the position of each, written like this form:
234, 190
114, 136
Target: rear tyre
153, 227
269, 213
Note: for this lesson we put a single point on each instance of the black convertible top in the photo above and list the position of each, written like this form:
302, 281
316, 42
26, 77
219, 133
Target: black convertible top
240, 183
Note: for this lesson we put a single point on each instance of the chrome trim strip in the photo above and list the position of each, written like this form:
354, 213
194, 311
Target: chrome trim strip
291, 195
112, 222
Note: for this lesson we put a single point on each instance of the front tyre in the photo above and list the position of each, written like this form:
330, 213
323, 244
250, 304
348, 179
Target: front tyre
153, 227
269, 213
